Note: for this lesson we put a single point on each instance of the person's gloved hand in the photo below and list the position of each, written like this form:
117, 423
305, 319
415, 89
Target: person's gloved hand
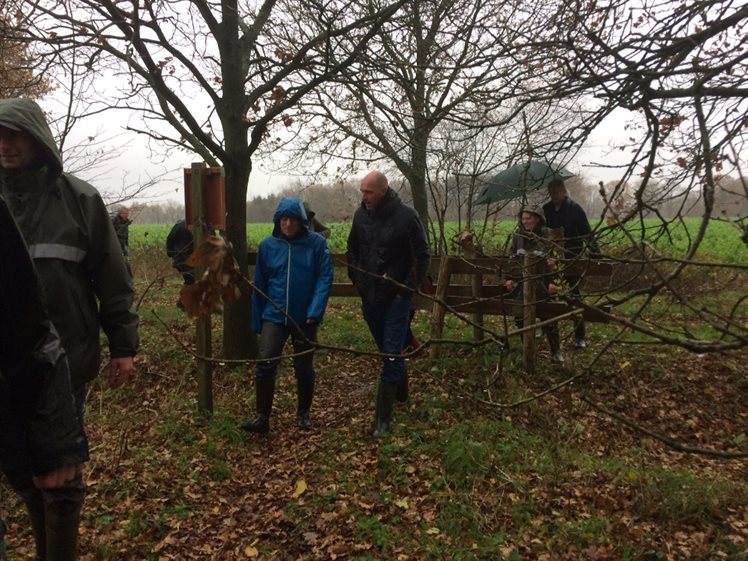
427, 286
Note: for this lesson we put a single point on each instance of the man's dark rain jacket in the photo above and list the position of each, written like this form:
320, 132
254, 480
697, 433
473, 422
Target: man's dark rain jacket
75, 250
387, 242
39, 427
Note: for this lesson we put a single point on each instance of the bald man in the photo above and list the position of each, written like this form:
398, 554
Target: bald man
388, 258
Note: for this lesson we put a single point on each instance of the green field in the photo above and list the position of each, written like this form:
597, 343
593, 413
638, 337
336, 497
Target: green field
722, 242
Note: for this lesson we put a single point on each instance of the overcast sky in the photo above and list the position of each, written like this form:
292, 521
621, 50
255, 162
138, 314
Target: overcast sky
136, 165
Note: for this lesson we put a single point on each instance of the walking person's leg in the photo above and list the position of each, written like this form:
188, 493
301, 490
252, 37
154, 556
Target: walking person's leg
392, 323
54, 513
270, 347
303, 365
580, 340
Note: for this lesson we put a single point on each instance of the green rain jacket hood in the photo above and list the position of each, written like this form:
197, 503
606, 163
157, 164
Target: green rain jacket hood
70, 237
27, 115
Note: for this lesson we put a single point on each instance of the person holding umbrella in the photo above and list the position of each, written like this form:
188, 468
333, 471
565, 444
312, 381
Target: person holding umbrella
562, 212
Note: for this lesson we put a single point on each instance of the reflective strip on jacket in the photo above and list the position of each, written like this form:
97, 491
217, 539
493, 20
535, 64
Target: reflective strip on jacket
76, 252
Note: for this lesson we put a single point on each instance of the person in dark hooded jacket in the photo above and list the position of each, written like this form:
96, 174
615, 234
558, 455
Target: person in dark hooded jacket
40, 434
534, 237
85, 286
293, 279
121, 222
314, 223
179, 246
561, 212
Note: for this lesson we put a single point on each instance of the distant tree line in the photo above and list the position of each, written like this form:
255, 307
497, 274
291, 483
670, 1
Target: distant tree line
156, 213
337, 202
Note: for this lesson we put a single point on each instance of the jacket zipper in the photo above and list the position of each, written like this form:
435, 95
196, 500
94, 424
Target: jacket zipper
288, 285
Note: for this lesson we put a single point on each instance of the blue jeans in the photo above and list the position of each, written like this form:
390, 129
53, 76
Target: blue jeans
388, 323
272, 340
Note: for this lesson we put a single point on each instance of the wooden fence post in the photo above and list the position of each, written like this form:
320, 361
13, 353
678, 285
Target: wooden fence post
476, 281
530, 269
439, 311
203, 339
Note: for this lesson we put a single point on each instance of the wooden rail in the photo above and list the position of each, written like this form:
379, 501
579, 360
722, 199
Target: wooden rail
486, 293
487, 299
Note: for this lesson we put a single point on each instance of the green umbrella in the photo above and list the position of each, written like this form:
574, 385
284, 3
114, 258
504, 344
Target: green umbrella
516, 181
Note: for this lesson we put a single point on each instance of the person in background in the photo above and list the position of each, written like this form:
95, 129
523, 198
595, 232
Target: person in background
179, 246
85, 286
533, 237
562, 212
40, 434
293, 279
314, 224
388, 259
121, 222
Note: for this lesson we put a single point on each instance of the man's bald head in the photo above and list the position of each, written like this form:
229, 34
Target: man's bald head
373, 188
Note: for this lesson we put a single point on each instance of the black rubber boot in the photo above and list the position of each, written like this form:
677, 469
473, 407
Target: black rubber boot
35, 507
305, 393
402, 389
62, 532
385, 403
265, 390
3, 531
55, 525
554, 342
580, 333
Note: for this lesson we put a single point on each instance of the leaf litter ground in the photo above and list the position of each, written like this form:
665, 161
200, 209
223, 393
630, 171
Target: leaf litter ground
461, 478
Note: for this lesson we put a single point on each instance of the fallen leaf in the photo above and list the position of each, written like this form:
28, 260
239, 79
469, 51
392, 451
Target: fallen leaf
300, 489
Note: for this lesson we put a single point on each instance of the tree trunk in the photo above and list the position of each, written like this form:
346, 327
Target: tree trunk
420, 197
417, 168
239, 340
